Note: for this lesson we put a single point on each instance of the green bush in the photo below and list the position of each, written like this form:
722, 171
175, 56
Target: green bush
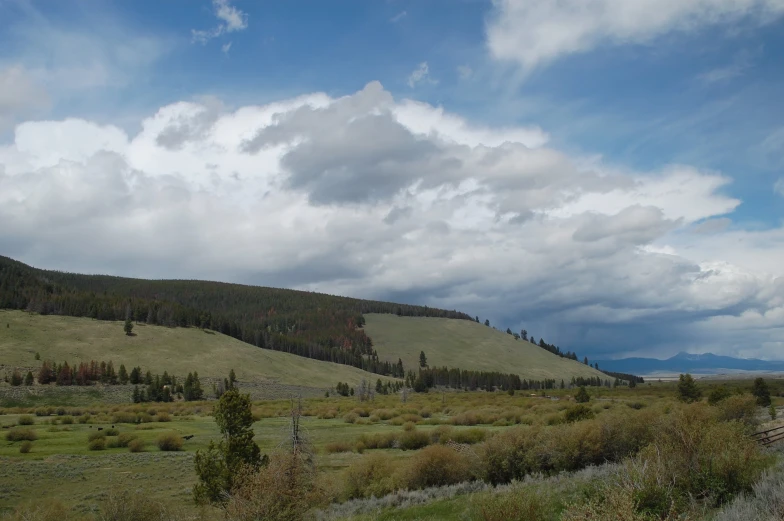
124, 417
170, 442
26, 447
111, 432
97, 444
741, 408
372, 475
94, 435
436, 466
338, 446
520, 504
26, 420
577, 413
414, 439
67, 420
19, 434
162, 417
136, 445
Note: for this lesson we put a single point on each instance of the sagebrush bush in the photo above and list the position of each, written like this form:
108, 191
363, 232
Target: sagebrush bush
111, 432
577, 413
351, 417
124, 417
386, 440
742, 408
26, 420
170, 442
40, 510
162, 417
67, 420
519, 504
26, 447
21, 434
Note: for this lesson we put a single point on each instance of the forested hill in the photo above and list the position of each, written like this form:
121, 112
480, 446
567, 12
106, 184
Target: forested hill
314, 325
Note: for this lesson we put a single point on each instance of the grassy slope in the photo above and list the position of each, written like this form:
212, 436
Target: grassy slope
176, 350
467, 345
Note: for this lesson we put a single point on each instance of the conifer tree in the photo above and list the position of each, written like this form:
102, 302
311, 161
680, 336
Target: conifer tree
422, 359
29, 379
761, 392
582, 396
123, 375
16, 378
687, 389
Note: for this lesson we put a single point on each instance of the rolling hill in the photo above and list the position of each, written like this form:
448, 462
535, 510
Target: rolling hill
466, 344
176, 350
691, 363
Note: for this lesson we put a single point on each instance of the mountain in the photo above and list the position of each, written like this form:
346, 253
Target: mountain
467, 344
323, 327
690, 363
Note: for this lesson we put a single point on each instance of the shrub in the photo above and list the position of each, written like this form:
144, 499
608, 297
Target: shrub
124, 417
26, 420
84, 418
350, 417
519, 504
67, 420
40, 510
718, 394
372, 475
111, 432
18, 434
163, 417
136, 445
26, 447
386, 440
285, 489
414, 439
338, 446
469, 436
436, 466
136, 506
741, 408
170, 442
577, 413
97, 444
94, 435
409, 426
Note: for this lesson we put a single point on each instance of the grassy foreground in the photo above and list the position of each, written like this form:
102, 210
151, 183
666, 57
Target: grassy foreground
467, 345
176, 350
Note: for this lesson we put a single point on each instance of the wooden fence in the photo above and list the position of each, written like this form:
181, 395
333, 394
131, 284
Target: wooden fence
769, 436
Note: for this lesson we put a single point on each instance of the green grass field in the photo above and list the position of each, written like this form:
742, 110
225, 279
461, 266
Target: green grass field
467, 345
176, 350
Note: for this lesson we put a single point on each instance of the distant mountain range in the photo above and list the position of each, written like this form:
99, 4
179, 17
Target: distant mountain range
691, 363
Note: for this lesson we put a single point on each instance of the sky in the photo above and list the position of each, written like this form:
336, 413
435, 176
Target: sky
606, 174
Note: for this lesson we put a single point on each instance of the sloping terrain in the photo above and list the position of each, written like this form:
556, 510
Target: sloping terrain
176, 350
467, 345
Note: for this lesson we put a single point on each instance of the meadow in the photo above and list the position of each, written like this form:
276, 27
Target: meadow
439, 455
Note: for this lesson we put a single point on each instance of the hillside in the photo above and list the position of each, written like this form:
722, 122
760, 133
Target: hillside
176, 350
466, 344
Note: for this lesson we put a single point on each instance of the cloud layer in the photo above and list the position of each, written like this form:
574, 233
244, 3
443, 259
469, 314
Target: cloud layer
368, 195
535, 33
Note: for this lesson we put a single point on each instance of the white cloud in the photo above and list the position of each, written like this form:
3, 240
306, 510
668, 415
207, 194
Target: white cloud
233, 20
535, 33
371, 196
464, 71
399, 16
778, 187
225, 47
419, 75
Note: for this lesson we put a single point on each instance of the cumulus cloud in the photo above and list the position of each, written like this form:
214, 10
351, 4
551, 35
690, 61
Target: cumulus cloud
535, 33
778, 187
232, 20
372, 196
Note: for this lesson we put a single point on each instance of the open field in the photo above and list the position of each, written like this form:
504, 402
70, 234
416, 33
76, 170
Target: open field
158, 348
466, 344
342, 432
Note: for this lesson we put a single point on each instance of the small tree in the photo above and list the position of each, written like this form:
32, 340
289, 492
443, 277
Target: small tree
128, 327
688, 391
718, 394
582, 395
761, 392
422, 359
123, 375
16, 378
29, 380
220, 463
772, 412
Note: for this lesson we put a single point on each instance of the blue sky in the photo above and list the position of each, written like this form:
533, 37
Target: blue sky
681, 100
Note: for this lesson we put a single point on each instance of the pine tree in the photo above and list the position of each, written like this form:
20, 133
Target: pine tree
422, 359
16, 378
218, 466
29, 380
761, 391
128, 327
136, 376
582, 395
687, 389
123, 375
